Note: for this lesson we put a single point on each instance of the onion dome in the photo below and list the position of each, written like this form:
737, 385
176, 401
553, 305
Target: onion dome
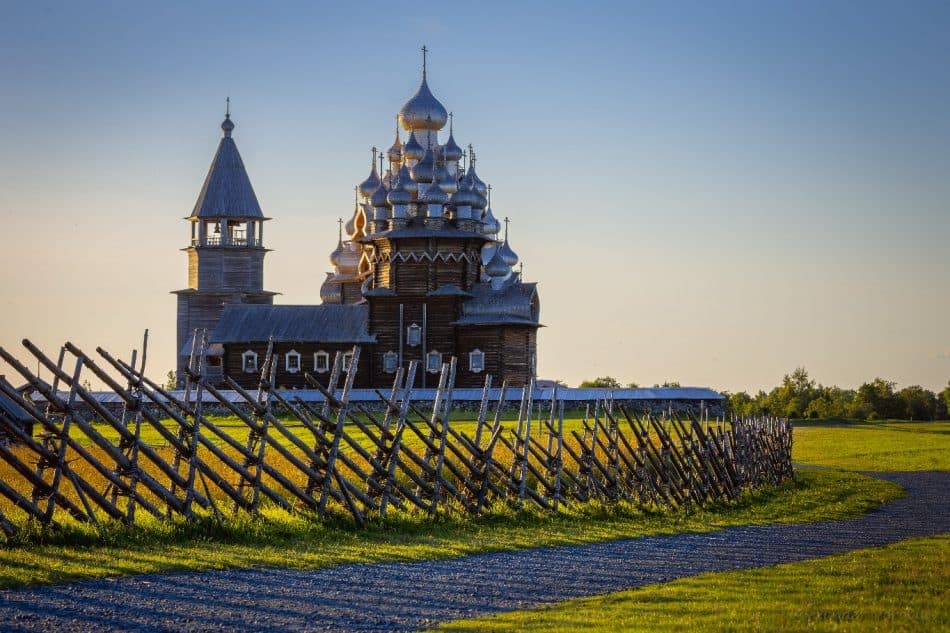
479, 200
399, 195
490, 225
464, 196
227, 125
451, 151
433, 194
424, 170
446, 180
423, 111
395, 151
406, 181
379, 197
474, 181
496, 266
368, 186
413, 149
335, 255
509, 256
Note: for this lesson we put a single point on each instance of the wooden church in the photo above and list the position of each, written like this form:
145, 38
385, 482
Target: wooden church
420, 272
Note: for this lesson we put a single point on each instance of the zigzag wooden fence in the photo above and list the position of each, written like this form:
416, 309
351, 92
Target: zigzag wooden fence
165, 456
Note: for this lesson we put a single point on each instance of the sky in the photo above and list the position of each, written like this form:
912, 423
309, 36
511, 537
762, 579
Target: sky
708, 193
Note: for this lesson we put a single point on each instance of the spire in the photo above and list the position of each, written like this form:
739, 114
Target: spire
227, 190
340, 231
424, 51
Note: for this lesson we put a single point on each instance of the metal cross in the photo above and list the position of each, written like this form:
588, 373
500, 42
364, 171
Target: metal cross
424, 51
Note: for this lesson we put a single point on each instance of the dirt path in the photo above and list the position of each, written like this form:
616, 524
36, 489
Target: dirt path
408, 596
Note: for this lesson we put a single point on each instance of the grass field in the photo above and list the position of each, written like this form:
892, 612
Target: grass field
883, 446
901, 587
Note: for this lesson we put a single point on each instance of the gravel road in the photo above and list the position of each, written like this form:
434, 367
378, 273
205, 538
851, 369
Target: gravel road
409, 596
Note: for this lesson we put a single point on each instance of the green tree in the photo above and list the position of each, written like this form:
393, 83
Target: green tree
632, 385
918, 403
945, 396
607, 382
876, 400
792, 397
830, 402
170, 381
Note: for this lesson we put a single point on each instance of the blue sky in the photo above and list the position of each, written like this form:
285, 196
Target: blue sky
713, 193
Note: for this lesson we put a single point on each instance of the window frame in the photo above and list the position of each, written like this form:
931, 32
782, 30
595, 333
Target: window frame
390, 362
292, 354
245, 366
471, 361
414, 335
437, 355
326, 362
347, 359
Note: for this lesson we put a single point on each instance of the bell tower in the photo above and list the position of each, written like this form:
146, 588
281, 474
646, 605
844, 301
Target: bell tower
226, 251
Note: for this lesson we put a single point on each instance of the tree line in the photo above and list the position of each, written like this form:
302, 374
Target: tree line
800, 397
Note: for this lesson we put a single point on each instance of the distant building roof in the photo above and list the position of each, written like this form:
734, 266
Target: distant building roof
322, 323
9, 408
227, 191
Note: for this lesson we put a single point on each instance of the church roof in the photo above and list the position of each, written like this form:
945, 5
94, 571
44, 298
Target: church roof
513, 304
227, 191
242, 323
10, 409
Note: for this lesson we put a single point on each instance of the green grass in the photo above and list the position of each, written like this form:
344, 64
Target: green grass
900, 587
882, 446
283, 540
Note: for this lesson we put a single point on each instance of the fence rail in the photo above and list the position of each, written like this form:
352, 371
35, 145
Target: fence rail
163, 456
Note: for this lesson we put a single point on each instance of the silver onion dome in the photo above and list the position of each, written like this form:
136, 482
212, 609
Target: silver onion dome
227, 125
371, 184
395, 151
496, 266
509, 256
451, 150
399, 195
406, 181
337, 252
479, 200
423, 111
446, 180
349, 260
463, 197
413, 149
433, 194
424, 170
490, 225
474, 181
379, 197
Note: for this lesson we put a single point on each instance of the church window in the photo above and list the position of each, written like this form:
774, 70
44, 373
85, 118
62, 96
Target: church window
321, 362
347, 359
390, 361
413, 335
292, 361
476, 361
249, 362
434, 362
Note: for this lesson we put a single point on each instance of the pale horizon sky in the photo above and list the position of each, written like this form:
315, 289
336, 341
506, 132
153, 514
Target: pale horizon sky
711, 193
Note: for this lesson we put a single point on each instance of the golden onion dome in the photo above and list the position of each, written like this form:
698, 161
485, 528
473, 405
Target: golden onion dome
423, 111
413, 149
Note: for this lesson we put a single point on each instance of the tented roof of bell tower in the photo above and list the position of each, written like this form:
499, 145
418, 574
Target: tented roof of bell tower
227, 190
